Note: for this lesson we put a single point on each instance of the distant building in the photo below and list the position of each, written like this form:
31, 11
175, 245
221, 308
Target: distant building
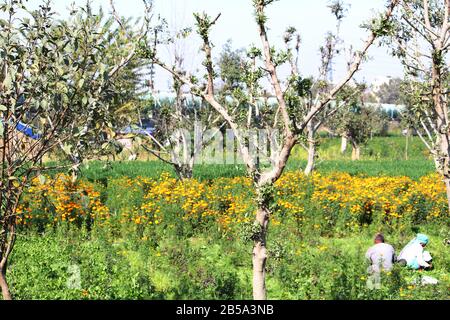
393, 110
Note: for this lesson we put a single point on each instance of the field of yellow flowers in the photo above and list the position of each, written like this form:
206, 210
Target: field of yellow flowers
353, 201
160, 238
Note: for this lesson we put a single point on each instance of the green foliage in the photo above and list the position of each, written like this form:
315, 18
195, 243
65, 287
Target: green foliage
204, 23
254, 52
73, 76
380, 27
301, 86
289, 34
250, 231
279, 57
354, 119
201, 267
338, 9
316, 258
390, 92
260, 6
230, 64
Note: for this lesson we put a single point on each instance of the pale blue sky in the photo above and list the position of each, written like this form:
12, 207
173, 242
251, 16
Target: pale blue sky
312, 18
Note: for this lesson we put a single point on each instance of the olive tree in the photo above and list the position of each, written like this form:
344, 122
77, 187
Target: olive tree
356, 120
287, 115
54, 88
103, 46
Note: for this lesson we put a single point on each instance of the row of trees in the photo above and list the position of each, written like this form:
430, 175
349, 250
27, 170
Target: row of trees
76, 81
300, 101
237, 71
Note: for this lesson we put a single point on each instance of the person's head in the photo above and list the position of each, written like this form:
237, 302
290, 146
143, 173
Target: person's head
379, 238
422, 239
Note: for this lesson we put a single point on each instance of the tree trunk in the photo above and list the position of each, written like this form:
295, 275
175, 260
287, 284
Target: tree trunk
264, 199
344, 142
3, 284
10, 201
437, 165
356, 152
260, 255
407, 146
311, 151
184, 171
442, 158
447, 188
441, 161
76, 162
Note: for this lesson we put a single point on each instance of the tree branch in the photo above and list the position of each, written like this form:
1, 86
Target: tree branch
273, 73
351, 72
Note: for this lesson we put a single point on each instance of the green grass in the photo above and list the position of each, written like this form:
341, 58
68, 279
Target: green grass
100, 171
123, 261
205, 267
381, 156
378, 148
411, 168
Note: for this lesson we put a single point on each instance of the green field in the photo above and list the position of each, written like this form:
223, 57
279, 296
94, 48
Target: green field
378, 148
206, 267
193, 259
98, 171
381, 156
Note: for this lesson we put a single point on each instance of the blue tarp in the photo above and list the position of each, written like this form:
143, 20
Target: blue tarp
139, 130
21, 127
28, 131
148, 127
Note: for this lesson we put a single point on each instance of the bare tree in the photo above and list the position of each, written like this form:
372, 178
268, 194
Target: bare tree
176, 120
332, 48
182, 127
421, 39
292, 122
